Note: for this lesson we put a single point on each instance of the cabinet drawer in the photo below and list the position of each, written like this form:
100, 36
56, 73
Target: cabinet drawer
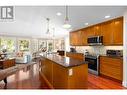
111, 72
111, 67
111, 61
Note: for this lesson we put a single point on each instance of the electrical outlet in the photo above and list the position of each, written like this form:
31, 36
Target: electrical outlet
70, 72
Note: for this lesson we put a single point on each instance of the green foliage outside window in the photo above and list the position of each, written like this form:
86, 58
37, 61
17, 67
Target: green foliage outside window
7, 44
23, 45
50, 46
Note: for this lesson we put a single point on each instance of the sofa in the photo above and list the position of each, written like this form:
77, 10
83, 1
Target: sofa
23, 57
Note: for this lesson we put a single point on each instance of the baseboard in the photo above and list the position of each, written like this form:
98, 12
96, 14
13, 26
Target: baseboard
124, 84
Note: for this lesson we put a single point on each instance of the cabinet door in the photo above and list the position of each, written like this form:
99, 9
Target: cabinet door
118, 31
78, 38
111, 67
47, 69
90, 32
107, 32
84, 36
97, 30
73, 38
60, 77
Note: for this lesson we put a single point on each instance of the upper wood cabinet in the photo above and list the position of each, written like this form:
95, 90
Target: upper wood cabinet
75, 38
107, 32
118, 31
97, 30
112, 32
85, 33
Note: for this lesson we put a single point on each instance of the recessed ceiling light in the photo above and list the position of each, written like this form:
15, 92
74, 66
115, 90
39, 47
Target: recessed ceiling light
86, 23
108, 16
58, 14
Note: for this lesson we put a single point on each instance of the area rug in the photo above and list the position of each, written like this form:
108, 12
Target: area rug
9, 71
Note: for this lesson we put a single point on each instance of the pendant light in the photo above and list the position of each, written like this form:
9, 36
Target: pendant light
53, 36
47, 32
66, 24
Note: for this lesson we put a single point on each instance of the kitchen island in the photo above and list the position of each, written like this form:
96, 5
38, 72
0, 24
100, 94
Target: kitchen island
61, 72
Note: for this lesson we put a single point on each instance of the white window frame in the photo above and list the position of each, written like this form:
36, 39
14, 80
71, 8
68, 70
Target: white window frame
13, 38
24, 39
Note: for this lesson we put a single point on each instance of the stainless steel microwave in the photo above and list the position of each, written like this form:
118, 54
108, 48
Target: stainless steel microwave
95, 40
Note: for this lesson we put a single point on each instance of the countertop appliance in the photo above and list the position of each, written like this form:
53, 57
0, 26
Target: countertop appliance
93, 63
86, 52
117, 53
95, 40
72, 50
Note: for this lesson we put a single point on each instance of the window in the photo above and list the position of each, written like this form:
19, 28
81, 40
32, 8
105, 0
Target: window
24, 45
50, 46
7, 44
42, 45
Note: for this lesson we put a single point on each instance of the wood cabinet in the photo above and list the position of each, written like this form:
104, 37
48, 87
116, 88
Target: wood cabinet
107, 32
118, 31
112, 32
75, 38
84, 35
59, 77
112, 67
47, 69
7, 63
97, 30
72, 38
79, 56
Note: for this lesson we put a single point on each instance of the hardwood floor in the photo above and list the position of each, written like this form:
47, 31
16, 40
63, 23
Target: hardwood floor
29, 78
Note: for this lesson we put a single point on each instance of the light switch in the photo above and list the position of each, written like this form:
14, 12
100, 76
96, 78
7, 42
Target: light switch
70, 72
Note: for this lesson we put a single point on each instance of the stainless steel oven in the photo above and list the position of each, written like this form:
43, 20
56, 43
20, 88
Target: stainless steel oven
93, 63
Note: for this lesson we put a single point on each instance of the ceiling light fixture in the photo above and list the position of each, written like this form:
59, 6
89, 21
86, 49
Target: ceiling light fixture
86, 23
47, 32
66, 24
58, 14
108, 16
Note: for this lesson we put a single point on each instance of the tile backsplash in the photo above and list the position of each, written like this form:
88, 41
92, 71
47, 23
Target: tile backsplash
97, 49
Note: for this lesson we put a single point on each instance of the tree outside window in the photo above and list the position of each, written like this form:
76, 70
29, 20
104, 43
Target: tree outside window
7, 45
50, 46
24, 45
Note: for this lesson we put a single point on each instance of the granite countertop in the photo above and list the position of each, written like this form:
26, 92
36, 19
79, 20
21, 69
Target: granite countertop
64, 61
118, 57
6, 59
75, 52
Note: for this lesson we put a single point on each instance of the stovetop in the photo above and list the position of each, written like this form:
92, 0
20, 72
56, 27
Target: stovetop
92, 55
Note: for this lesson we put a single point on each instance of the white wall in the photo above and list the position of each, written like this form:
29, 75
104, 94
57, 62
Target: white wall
125, 51
67, 43
97, 49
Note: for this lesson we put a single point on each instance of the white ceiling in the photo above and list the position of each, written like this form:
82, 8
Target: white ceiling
31, 21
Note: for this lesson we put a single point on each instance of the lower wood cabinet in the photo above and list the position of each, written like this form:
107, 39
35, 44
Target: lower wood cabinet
111, 67
7, 63
59, 77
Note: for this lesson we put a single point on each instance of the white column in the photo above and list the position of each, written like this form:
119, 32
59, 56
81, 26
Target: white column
125, 50
67, 43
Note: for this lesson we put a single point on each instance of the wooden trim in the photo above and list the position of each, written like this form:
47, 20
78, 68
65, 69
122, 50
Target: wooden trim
107, 77
46, 81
